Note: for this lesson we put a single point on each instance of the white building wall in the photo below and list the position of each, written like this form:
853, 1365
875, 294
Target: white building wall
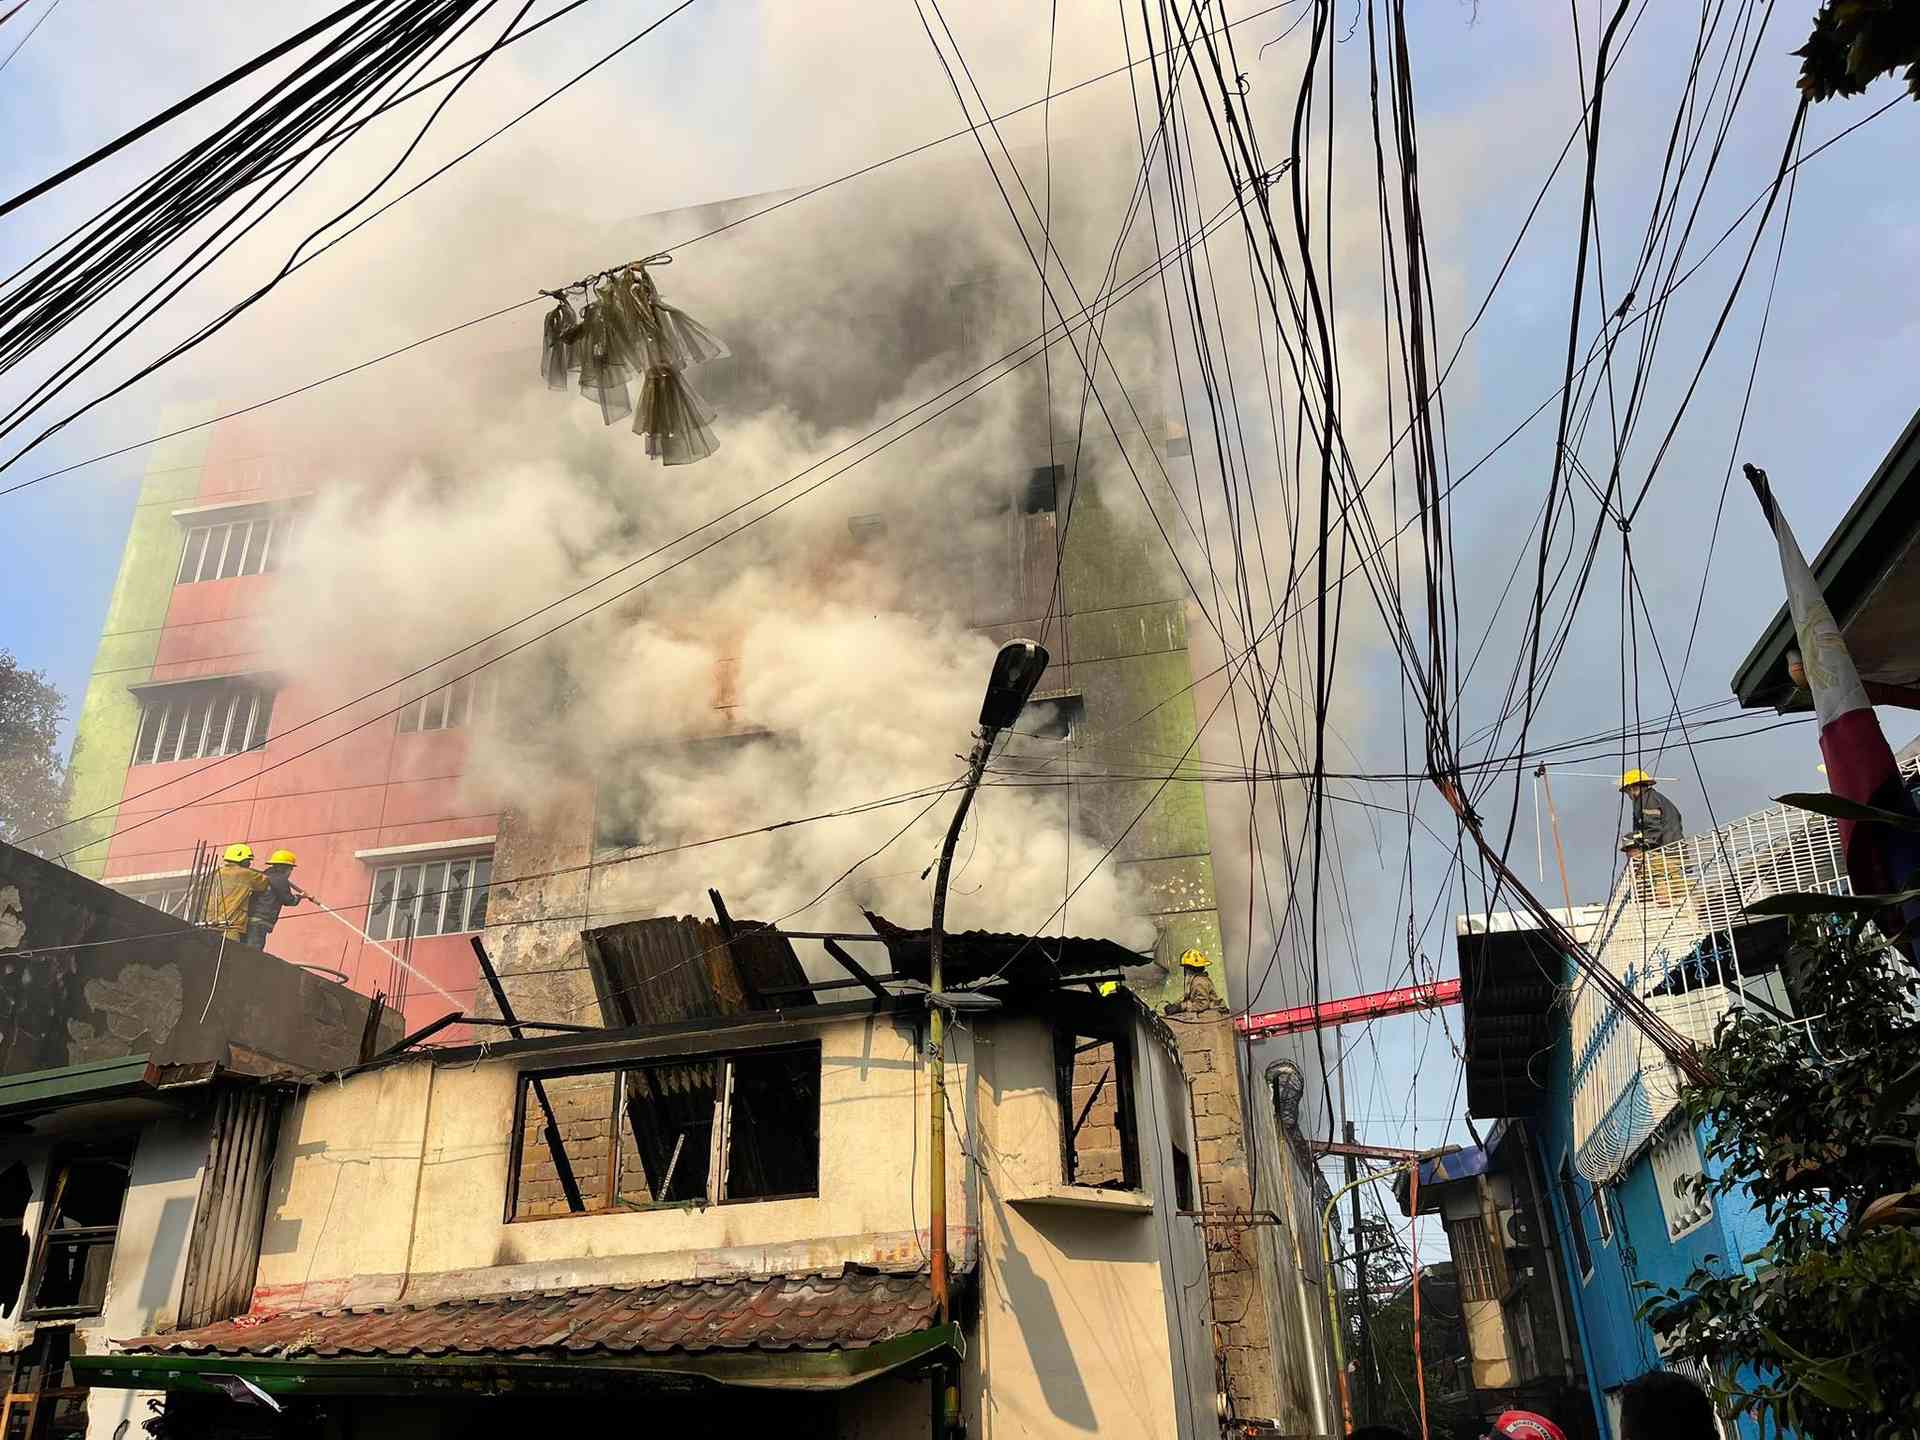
149, 1255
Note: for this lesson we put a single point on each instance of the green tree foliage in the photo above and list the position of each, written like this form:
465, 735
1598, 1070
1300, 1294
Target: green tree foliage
32, 778
1393, 1396
1815, 1333
1855, 42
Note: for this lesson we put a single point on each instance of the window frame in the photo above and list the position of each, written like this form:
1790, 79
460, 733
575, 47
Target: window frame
1069, 1024
1481, 1267
273, 528
380, 917
193, 704
1660, 1162
475, 692
1576, 1223
60, 1165
29, 1357
719, 1137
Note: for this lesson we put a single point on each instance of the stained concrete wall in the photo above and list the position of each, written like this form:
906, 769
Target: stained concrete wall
89, 974
149, 1255
391, 1184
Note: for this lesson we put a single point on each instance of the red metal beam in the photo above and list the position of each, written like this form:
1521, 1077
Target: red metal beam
1346, 1011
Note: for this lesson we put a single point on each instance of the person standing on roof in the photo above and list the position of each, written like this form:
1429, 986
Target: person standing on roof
263, 910
230, 896
1656, 819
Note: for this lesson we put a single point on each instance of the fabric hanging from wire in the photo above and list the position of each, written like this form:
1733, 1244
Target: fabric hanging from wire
623, 331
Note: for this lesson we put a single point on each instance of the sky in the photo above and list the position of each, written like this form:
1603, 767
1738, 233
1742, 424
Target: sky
731, 99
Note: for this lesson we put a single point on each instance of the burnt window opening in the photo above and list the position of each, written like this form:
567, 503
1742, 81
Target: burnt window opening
15, 1191
711, 1130
1100, 1146
43, 1400
1058, 718
1042, 494
1182, 1179
77, 1236
1576, 1223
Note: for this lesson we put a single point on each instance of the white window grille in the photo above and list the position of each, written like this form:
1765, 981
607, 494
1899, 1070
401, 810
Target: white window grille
451, 706
434, 897
1669, 932
196, 721
235, 547
1676, 1173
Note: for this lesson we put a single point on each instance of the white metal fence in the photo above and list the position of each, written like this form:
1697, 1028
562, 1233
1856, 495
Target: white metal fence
1668, 933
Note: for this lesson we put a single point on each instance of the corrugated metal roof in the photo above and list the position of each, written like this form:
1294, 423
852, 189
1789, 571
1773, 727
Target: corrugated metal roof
667, 969
1018, 959
850, 1309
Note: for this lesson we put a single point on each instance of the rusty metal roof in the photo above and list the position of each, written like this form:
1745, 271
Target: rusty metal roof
667, 969
1018, 959
846, 1310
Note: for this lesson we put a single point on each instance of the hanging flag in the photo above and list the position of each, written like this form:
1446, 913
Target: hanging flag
1860, 764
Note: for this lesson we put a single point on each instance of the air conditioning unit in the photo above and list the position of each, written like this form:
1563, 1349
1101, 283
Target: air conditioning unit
1517, 1229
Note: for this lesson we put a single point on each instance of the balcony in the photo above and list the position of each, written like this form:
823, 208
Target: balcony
1675, 932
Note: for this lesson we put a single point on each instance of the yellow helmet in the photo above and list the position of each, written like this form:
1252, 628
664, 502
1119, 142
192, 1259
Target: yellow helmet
282, 857
240, 854
1194, 960
1635, 777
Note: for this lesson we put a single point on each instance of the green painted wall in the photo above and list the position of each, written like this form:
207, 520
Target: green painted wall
129, 640
1127, 639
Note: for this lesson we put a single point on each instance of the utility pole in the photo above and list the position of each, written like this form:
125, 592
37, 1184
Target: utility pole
1363, 1352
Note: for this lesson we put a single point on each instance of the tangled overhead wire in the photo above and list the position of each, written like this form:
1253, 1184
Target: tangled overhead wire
623, 329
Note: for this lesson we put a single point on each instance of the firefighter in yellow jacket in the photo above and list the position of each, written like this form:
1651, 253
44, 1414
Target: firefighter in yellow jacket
230, 896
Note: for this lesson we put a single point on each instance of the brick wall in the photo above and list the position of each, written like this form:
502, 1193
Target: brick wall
584, 1107
1096, 1145
1242, 1321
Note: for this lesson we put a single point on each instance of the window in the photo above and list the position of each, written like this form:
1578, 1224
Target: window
435, 897
451, 706
170, 897
236, 547
1473, 1259
199, 721
1042, 495
1602, 1215
1576, 1225
1680, 1179
1094, 1073
708, 1130
1182, 1179
77, 1235
43, 1400
15, 1191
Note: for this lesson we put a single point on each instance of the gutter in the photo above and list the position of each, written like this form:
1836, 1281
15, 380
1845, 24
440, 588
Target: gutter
463, 1376
39, 1091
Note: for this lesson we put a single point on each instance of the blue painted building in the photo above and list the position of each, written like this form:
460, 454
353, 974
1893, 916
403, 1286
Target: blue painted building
1607, 1143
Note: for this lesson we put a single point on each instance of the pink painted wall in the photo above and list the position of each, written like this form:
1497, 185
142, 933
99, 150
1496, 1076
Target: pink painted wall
368, 789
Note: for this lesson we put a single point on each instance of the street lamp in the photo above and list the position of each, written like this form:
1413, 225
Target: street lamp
1016, 670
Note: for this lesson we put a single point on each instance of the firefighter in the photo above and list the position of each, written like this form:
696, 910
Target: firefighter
263, 910
231, 894
1656, 823
1656, 819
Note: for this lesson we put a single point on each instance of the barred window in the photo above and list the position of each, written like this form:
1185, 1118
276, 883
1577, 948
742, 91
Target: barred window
451, 706
436, 897
193, 722
1473, 1259
235, 547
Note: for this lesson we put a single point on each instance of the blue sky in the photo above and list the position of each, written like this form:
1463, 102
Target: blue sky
744, 99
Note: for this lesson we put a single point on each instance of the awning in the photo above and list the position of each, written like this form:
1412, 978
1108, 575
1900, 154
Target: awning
799, 1332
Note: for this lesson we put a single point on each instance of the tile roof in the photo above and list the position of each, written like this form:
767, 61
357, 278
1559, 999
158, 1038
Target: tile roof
1033, 960
850, 1309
